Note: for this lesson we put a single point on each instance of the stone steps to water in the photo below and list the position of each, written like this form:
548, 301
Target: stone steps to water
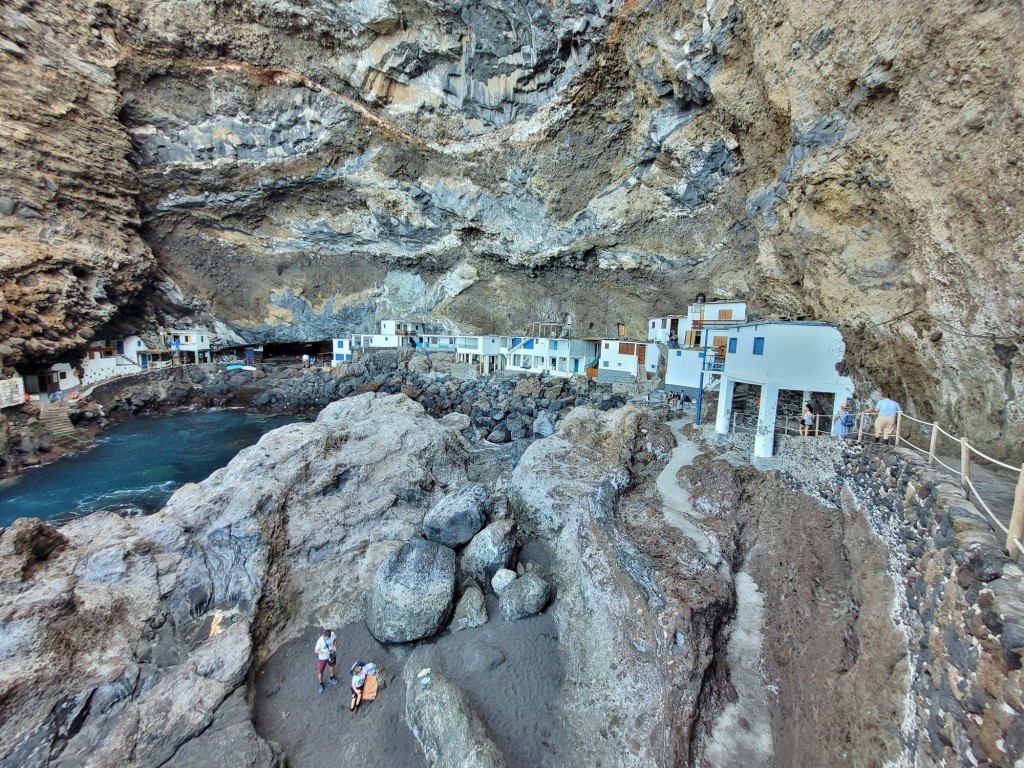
56, 420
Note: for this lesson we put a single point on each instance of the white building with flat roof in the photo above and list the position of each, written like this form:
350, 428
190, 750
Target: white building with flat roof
778, 355
624, 360
552, 356
189, 345
691, 338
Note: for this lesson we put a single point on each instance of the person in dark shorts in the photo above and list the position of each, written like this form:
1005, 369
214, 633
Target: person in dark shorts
326, 651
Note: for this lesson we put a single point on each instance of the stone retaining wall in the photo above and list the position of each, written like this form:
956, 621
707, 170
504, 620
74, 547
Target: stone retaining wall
964, 609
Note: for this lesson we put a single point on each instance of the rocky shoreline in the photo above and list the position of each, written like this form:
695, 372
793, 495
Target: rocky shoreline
501, 409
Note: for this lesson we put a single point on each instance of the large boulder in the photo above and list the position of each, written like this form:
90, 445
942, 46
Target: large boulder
412, 593
457, 517
489, 550
523, 597
439, 714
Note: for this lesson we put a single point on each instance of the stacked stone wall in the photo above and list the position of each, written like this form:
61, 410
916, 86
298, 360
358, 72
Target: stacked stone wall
963, 609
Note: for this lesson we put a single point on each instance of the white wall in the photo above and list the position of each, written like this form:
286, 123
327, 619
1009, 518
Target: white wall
683, 368
800, 356
12, 392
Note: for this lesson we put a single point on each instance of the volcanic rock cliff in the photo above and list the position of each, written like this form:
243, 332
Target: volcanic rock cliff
289, 170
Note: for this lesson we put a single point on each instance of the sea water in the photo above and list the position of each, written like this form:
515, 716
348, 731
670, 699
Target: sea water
134, 467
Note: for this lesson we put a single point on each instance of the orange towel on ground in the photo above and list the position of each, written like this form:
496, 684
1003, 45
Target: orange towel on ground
370, 688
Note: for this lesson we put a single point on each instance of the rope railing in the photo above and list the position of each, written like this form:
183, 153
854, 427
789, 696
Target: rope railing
969, 456
928, 445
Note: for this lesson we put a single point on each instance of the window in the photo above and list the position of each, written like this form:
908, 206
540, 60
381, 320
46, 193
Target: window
626, 349
725, 314
732, 345
759, 345
679, 354
554, 345
63, 374
606, 345
652, 325
138, 343
604, 363
188, 339
664, 323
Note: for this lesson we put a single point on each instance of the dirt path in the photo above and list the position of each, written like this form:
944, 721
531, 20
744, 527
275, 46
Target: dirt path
742, 734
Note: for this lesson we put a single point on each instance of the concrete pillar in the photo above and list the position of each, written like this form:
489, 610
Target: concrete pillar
725, 393
764, 439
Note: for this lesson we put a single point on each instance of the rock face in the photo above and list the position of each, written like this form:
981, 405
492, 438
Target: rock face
523, 597
490, 166
412, 592
439, 714
457, 517
490, 550
126, 640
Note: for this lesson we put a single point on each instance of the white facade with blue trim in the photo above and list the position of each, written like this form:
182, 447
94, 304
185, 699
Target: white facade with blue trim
778, 355
692, 337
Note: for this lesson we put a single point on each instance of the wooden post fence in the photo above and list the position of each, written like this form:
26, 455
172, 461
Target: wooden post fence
860, 429
899, 423
1016, 527
965, 466
934, 444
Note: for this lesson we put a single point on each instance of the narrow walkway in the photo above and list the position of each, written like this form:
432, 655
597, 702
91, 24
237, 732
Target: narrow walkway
742, 735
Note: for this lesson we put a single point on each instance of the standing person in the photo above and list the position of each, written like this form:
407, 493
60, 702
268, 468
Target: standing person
885, 422
842, 422
326, 651
806, 420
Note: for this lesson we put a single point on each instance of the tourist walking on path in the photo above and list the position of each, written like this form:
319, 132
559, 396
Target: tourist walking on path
326, 651
806, 420
842, 422
885, 422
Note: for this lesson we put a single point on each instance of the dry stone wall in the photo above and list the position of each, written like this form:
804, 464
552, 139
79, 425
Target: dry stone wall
963, 609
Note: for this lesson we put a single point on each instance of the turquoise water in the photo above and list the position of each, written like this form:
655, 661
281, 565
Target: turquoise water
135, 466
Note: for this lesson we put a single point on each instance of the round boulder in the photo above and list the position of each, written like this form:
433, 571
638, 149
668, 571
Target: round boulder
412, 592
457, 517
489, 550
524, 597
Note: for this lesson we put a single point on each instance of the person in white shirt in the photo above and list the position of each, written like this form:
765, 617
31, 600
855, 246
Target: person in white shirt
885, 422
326, 651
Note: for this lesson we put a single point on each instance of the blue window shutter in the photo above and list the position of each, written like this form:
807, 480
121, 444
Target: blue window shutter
732, 345
759, 345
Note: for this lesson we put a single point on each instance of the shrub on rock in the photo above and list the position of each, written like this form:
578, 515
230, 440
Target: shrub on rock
412, 593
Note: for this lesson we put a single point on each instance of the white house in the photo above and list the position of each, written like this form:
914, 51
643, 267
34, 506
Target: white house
556, 357
342, 351
189, 345
622, 361
692, 337
777, 355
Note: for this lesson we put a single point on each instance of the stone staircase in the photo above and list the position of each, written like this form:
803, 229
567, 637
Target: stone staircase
55, 418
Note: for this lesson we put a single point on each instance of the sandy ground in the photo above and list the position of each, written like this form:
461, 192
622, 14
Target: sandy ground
511, 672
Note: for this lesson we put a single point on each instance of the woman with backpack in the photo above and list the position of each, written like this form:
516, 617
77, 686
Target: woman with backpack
842, 422
806, 420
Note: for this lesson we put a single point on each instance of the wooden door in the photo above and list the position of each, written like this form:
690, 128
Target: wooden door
641, 353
